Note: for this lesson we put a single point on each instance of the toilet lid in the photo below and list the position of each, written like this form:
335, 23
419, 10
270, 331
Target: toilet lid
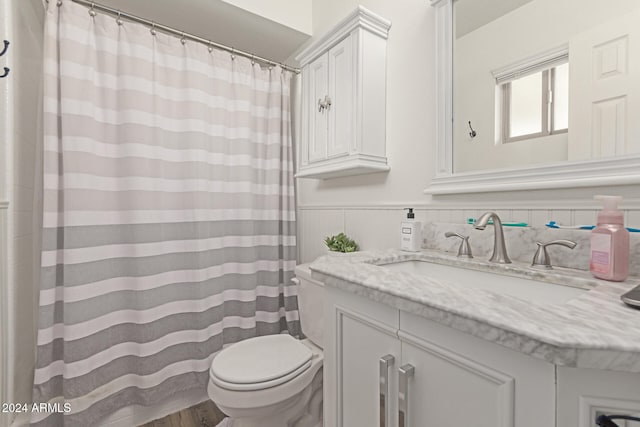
260, 361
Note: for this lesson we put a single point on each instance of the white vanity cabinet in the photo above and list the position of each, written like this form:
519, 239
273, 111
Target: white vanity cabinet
344, 99
358, 335
436, 376
585, 393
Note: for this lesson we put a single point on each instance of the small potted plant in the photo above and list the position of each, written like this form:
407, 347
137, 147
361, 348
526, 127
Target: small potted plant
340, 243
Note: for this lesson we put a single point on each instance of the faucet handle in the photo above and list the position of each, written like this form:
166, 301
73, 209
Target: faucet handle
541, 259
464, 250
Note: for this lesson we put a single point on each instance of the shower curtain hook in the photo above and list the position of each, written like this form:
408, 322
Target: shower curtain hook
233, 53
210, 47
59, 3
153, 29
92, 12
253, 60
183, 40
119, 18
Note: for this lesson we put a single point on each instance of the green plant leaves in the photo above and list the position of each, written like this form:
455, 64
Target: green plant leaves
341, 243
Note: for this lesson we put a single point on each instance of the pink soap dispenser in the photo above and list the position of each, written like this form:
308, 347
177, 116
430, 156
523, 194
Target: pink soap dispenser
610, 242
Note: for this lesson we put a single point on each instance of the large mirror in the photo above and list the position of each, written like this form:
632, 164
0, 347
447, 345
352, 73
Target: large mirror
537, 94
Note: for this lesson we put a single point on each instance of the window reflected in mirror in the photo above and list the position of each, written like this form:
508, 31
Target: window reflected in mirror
534, 105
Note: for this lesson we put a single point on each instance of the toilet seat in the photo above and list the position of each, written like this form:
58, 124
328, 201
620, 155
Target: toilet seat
259, 363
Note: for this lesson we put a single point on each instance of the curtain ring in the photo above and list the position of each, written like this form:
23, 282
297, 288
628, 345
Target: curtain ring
210, 48
119, 18
233, 54
92, 12
153, 29
183, 40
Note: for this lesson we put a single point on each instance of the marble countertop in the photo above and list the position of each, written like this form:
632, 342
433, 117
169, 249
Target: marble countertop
595, 330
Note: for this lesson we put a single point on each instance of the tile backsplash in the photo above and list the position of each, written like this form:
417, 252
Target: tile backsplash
521, 243
378, 228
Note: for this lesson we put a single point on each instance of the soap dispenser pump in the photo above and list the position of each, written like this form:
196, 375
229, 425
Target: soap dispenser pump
411, 233
610, 242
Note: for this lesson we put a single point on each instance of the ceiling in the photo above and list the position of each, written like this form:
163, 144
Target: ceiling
221, 22
473, 14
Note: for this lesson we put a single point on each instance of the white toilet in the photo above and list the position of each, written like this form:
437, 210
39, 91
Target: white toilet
275, 380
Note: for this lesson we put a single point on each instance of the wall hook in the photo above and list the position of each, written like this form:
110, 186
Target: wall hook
6, 46
6, 73
473, 133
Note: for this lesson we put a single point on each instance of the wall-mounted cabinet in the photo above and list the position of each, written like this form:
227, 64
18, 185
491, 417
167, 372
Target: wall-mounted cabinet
344, 99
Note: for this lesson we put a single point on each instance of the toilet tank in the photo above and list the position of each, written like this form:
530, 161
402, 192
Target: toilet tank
310, 305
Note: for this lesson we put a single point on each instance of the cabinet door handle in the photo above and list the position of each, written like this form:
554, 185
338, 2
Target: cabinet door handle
327, 102
386, 362
406, 372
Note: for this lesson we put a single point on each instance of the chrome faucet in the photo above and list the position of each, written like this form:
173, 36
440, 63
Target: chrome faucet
499, 249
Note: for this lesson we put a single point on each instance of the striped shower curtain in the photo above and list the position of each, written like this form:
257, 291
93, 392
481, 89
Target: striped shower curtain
169, 214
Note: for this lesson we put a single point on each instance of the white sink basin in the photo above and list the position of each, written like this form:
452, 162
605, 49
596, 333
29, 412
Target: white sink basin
525, 289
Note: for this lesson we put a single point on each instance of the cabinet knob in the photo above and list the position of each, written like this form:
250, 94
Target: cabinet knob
327, 102
324, 104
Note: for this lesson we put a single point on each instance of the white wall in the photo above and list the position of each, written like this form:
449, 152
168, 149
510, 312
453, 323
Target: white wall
20, 134
369, 207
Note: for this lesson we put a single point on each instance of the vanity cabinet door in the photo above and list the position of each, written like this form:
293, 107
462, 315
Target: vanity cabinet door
360, 351
447, 389
462, 380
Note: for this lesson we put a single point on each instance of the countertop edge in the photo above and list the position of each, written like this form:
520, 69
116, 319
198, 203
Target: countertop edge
571, 355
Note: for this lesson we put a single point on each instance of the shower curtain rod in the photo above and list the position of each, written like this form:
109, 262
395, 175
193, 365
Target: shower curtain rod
183, 35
